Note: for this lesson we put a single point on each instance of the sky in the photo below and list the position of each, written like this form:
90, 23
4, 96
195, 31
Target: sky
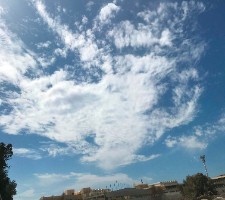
111, 93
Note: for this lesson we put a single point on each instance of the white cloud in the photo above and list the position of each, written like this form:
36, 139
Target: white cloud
221, 123
108, 120
104, 181
28, 193
165, 39
202, 135
14, 61
82, 180
210, 130
89, 5
54, 150
171, 142
156, 29
88, 52
127, 35
27, 153
188, 142
145, 158
45, 62
146, 15
192, 142
107, 12
61, 52
43, 44
70, 39
2, 10
52, 179
80, 41
84, 20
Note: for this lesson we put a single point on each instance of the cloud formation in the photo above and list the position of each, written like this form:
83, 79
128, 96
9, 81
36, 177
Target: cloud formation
127, 98
107, 12
187, 142
27, 153
200, 137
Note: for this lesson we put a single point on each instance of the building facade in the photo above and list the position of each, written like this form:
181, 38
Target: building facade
67, 195
219, 182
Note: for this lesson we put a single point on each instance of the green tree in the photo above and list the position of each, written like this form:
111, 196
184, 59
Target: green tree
197, 186
7, 187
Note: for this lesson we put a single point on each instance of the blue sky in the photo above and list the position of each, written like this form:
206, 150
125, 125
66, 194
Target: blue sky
99, 92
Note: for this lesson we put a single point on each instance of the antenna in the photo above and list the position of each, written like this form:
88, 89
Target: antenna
204, 164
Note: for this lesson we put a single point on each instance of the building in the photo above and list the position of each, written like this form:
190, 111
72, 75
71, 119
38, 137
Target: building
169, 190
130, 193
103, 194
166, 190
84, 194
69, 192
168, 186
99, 194
219, 182
67, 195
163, 190
141, 186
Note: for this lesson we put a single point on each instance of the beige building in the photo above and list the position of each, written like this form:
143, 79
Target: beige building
84, 194
67, 195
169, 186
165, 187
169, 190
141, 186
219, 181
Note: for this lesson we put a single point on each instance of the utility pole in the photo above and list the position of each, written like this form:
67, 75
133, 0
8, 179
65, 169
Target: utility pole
204, 164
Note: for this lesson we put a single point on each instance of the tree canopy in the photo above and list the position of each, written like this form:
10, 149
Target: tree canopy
196, 186
7, 187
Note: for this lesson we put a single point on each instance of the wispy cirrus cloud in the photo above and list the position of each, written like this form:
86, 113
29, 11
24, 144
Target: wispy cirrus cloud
127, 35
27, 153
119, 106
82, 179
74, 41
14, 60
200, 137
43, 44
221, 123
30, 193
2, 11
187, 142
